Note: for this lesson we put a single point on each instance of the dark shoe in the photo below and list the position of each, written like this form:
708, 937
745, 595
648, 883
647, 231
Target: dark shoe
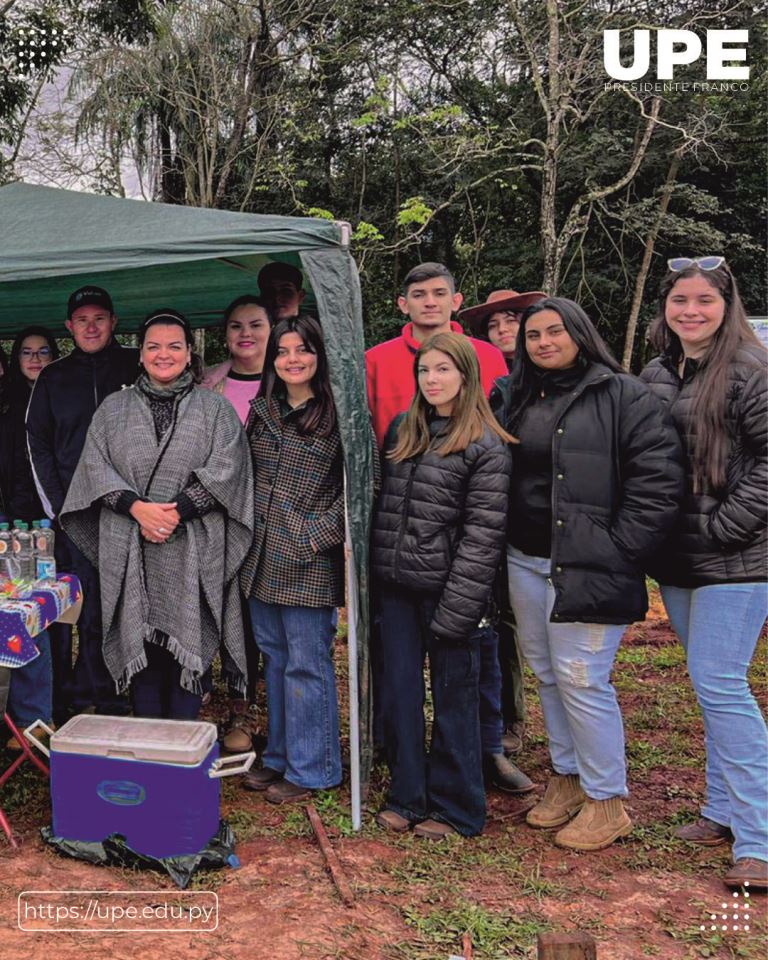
237, 736
285, 792
748, 872
260, 779
512, 740
392, 821
705, 832
434, 830
15, 747
502, 773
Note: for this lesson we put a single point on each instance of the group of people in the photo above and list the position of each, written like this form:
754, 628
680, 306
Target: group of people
527, 487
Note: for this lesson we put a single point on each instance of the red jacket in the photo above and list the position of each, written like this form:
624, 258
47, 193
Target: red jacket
391, 384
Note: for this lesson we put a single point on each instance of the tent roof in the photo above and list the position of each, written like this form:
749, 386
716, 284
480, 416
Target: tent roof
194, 259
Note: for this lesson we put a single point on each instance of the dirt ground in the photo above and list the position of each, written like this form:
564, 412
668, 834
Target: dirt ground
647, 896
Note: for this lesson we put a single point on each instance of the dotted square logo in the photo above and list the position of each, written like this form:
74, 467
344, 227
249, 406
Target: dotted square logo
733, 916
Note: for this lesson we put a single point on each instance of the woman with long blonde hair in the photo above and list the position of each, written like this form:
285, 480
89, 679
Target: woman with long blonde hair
437, 538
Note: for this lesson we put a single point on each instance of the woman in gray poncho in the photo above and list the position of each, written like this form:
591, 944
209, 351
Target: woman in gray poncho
162, 504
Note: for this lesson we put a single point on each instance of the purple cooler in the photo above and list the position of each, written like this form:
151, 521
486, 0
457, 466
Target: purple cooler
156, 782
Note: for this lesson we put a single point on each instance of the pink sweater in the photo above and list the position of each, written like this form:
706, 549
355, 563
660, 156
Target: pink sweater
238, 392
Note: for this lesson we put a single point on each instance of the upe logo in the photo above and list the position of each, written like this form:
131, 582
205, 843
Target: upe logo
677, 48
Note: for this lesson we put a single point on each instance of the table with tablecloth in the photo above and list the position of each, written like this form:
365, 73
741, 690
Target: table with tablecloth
21, 621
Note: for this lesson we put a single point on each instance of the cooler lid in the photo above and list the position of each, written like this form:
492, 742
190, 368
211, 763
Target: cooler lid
184, 742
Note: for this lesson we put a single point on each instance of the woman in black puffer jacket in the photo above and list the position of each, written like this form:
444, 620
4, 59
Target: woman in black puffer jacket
713, 375
596, 484
437, 537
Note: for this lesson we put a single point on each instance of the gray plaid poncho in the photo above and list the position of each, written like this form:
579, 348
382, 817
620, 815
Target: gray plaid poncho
185, 589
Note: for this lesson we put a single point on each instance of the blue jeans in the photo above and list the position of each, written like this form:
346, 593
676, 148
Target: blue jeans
573, 663
719, 626
491, 719
303, 709
29, 697
447, 784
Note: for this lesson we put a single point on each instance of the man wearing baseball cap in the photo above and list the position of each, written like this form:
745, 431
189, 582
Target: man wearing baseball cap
498, 319
64, 399
281, 285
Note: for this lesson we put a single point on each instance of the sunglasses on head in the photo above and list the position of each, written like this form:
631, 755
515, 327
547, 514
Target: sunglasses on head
676, 264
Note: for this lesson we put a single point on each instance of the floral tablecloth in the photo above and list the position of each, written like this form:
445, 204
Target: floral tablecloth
22, 620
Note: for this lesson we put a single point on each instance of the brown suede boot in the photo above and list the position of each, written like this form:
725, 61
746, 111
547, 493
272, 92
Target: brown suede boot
598, 824
562, 800
237, 736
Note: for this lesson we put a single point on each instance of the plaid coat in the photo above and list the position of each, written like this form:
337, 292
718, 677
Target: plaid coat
299, 501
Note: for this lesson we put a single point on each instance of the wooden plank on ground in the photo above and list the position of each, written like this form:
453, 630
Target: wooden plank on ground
566, 946
337, 873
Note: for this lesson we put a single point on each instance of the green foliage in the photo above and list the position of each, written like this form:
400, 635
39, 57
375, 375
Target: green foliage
494, 935
431, 142
414, 212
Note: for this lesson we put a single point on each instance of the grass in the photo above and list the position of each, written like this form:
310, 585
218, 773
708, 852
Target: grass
709, 943
495, 935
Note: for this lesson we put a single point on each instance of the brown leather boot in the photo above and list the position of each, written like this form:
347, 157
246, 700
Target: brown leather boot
748, 872
562, 800
597, 825
705, 832
237, 736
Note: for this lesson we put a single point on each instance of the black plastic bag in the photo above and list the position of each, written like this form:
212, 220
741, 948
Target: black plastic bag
115, 852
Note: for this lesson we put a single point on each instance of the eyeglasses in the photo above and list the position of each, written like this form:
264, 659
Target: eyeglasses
676, 264
43, 353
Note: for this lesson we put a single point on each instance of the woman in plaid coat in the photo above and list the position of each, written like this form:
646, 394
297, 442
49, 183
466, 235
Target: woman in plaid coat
294, 574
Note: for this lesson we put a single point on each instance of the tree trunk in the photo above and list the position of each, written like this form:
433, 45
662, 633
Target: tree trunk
650, 243
549, 171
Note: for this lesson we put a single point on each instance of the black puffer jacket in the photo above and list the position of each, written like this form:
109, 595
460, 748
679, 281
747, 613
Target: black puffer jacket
721, 535
64, 399
439, 526
617, 484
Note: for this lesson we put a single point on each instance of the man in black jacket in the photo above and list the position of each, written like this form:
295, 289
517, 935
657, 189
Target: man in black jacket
64, 399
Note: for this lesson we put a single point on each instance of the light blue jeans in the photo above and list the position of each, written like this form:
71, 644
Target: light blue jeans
573, 663
302, 705
719, 626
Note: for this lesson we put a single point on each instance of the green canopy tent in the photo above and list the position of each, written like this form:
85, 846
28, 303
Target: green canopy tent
151, 255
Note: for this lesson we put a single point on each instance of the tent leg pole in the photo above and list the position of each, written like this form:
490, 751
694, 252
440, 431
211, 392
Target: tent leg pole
354, 694
354, 684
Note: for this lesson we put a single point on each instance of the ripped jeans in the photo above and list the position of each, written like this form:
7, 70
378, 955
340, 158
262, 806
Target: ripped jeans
573, 663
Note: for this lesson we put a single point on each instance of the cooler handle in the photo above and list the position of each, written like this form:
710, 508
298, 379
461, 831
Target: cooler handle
229, 766
33, 739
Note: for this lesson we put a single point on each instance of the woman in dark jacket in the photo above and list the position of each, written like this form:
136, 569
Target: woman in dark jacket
34, 348
713, 375
438, 534
294, 572
596, 484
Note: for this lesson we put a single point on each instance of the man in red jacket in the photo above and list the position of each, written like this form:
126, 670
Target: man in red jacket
429, 300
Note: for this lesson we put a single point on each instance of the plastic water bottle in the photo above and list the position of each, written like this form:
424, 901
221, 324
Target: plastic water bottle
7, 566
44, 542
24, 550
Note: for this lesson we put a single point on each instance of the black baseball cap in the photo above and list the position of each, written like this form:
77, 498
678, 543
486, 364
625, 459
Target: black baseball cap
277, 271
89, 296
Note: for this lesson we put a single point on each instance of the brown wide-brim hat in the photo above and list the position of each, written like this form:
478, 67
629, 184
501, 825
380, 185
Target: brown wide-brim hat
499, 300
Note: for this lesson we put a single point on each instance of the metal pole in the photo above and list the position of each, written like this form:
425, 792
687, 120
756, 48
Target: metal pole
354, 686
